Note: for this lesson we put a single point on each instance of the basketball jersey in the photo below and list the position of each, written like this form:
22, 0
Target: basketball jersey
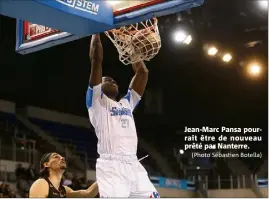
53, 192
113, 121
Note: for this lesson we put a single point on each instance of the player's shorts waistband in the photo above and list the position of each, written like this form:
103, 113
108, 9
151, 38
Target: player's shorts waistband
123, 158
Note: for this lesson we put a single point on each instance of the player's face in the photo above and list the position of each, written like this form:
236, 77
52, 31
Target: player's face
56, 162
110, 87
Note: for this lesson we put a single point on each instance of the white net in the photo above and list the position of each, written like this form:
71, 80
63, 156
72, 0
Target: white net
136, 42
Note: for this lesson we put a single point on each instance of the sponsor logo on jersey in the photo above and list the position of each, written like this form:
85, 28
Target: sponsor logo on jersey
83, 5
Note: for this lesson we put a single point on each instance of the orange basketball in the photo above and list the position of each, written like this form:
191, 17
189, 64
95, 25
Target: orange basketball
146, 43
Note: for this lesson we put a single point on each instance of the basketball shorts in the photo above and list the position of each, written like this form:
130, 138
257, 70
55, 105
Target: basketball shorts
123, 176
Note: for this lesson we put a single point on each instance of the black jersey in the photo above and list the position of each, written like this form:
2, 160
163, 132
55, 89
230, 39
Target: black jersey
53, 192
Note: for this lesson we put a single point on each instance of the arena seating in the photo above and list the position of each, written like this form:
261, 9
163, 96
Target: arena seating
11, 118
85, 142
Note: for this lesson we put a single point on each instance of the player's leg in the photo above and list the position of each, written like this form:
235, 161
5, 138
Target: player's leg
142, 187
111, 182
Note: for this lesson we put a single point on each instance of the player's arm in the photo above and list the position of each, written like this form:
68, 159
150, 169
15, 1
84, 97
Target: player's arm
138, 84
140, 79
91, 192
39, 189
96, 58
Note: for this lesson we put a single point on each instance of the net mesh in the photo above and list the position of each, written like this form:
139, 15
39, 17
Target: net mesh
136, 42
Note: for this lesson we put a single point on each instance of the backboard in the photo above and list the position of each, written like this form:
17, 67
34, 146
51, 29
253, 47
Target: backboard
123, 7
33, 37
74, 19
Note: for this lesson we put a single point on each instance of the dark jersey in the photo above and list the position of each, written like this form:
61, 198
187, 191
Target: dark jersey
53, 192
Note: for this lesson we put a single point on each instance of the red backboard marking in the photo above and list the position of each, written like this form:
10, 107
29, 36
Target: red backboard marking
34, 31
25, 28
137, 7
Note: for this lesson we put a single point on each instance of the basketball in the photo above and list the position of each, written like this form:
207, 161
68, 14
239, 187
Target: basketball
136, 42
146, 43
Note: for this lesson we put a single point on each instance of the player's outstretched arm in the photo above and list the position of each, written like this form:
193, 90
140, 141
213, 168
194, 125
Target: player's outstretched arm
96, 57
91, 192
140, 78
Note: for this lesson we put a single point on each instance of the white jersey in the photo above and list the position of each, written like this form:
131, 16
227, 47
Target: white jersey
113, 121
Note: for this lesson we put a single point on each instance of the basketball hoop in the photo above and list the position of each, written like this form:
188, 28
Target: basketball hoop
136, 42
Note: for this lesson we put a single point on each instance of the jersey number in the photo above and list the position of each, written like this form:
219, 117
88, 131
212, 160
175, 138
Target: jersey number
124, 123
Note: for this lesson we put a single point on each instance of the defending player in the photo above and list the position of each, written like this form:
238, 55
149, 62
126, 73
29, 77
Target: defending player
118, 172
52, 167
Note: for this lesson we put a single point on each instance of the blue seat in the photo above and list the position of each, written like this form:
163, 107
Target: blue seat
84, 139
11, 118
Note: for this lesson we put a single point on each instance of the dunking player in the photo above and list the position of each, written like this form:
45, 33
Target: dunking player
118, 172
52, 167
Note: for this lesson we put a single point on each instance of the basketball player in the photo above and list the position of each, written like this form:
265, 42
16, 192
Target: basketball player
52, 167
118, 172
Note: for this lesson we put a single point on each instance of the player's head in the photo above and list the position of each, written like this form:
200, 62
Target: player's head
52, 162
110, 87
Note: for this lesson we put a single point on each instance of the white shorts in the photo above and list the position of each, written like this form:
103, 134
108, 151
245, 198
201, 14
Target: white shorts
123, 176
